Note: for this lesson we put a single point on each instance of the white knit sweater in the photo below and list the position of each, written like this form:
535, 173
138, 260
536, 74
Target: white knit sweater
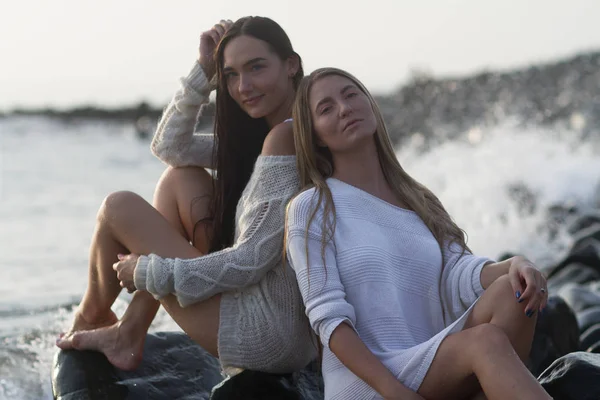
262, 321
383, 275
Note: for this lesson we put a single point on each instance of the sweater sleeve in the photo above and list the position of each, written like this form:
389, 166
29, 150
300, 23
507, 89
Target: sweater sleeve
256, 250
318, 278
174, 141
461, 280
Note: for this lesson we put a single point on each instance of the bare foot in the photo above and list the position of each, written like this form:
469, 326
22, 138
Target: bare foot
81, 323
122, 347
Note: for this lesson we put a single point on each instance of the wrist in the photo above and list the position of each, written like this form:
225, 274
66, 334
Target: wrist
391, 389
207, 68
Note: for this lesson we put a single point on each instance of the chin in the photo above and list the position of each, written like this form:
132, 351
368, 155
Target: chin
256, 113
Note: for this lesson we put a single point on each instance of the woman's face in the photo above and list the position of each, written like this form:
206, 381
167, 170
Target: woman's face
257, 79
342, 115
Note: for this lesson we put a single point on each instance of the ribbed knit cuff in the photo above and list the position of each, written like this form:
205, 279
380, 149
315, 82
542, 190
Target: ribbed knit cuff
197, 80
476, 276
229, 341
141, 272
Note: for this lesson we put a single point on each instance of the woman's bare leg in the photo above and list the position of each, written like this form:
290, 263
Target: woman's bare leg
181, 196
496, 338
128, 224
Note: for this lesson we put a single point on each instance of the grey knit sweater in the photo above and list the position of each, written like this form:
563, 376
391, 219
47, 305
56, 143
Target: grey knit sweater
262, 320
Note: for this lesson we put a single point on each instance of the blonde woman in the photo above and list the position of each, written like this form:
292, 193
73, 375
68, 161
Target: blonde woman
402, 307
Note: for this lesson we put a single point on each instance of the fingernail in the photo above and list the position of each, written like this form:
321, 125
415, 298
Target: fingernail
518, 294
520, 300
530, 313
119, 256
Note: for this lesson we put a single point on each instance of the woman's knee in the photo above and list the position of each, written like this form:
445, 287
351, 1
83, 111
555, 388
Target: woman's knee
503, 294
177, 181
118, 204
487, 338
502, 289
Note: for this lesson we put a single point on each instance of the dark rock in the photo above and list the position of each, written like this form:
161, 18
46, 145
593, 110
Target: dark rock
573, 377
590, 337
588, 317
556, 334
572, 273
585, 221
174, 367
579, 297
585, 250
82, 375
252, 385
595, 348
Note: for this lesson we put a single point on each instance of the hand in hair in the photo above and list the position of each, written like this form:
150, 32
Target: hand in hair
208, 43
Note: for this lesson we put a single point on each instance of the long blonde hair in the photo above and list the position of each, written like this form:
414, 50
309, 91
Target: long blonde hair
315, 165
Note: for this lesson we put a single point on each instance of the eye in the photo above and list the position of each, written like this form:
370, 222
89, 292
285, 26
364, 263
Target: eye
256, 67
325, 110
230, 75
351, 94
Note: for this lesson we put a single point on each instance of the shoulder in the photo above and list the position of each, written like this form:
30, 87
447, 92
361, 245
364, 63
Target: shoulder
304, 199
303, 206
280, 141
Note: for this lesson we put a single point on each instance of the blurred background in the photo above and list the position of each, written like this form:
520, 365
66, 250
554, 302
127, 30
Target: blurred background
494, 105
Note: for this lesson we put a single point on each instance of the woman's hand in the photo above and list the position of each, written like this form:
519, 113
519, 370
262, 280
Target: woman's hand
208, 43
125, 269
529, 284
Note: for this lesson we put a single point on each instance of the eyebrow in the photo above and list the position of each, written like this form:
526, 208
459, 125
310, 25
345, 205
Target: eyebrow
328, 99
253, 61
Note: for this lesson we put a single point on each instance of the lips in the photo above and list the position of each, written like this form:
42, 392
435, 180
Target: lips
250, 101
351, 123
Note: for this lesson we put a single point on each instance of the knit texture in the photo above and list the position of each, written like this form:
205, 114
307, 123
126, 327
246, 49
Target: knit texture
383, 275
175, 142
257, 244
262, 325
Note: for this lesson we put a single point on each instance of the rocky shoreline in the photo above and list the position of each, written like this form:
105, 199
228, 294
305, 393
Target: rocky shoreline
564, 93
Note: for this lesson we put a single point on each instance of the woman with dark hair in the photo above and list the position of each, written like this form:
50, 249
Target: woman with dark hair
402, 307
228, 289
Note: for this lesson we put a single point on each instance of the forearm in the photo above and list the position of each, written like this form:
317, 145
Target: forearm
353, 353
492, 271
174, 141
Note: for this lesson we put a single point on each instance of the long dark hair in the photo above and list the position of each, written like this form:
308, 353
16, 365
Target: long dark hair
238, 137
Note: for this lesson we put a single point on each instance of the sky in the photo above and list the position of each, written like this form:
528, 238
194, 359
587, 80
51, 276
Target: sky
65, 53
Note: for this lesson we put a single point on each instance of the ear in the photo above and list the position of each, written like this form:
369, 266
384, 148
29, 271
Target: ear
293, 65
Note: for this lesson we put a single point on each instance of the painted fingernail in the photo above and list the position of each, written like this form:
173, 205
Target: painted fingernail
518, 294
530, 313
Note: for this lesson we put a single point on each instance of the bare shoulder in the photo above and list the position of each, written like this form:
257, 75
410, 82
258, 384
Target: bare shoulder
280, 141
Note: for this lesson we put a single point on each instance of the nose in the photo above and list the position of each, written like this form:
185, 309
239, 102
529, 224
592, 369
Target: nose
245, 84
345, 109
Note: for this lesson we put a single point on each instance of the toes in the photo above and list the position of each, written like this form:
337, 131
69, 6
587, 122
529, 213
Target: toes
79, 340
64, 342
